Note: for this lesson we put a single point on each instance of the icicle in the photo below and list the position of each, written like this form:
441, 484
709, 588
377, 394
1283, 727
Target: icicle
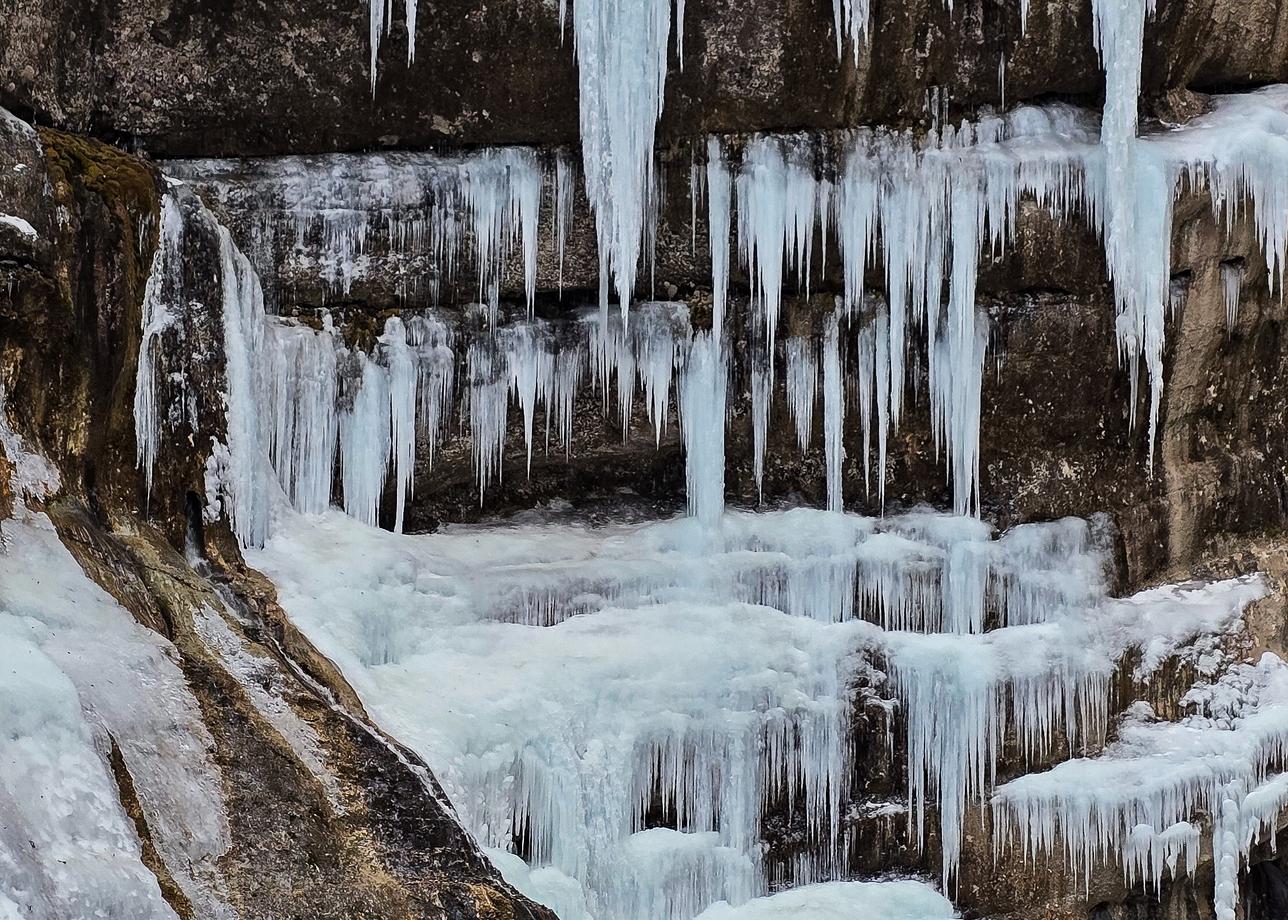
762, 393
1138, 199
503, 190
621, 53
702, 413
881, 365
365, 441
302, 399
958, 354
867, 378
402, 411
489, 389
380, 20
850, 22
563, 190
719, 202
162, 296
531, 369
410, 15
833, 413
1231, 283
431, 341
802, 385
778, 210
376, 13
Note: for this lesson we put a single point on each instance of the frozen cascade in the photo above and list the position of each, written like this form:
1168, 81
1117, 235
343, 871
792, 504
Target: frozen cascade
1227, 760
933, 205
164, 287
583, 677
922, 206
243, 480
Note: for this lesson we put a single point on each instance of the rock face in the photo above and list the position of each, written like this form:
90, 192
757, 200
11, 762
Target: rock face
200, 78
369, 831
362, 832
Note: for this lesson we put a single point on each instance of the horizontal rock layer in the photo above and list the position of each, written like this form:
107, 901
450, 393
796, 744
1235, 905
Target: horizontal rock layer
201, 78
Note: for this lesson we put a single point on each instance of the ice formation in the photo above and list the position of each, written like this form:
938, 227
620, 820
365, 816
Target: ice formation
163, 289
934, 204
22, 227
1226, 761
622, 48
926, 207
643, 692
1231, 288
422, 213
381, 19
898, 899
80, 674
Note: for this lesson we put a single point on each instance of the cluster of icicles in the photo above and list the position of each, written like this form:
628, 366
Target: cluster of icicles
414, 217
298, 399
916, 592
924, 209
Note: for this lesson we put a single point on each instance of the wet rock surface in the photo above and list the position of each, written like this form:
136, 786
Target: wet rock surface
207, 78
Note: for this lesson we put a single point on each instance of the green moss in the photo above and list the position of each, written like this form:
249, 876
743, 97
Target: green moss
96, 167
81, 168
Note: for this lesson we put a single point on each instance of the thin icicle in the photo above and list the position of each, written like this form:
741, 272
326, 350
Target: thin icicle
762, 394
802, 386
1231, 286
833, 413
719, 202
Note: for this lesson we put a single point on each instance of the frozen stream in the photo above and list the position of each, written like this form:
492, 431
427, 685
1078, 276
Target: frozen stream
619, 703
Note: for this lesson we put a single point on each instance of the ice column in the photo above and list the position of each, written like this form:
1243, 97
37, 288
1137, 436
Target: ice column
164, 291
621, 55
702, 416
833, 413
719, 202
1138, 199
245, 480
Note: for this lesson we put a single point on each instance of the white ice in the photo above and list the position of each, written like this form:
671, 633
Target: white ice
566, 681
23, 227
77, 669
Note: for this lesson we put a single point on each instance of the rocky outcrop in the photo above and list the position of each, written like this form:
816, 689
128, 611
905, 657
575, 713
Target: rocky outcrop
200, 78
344, 823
